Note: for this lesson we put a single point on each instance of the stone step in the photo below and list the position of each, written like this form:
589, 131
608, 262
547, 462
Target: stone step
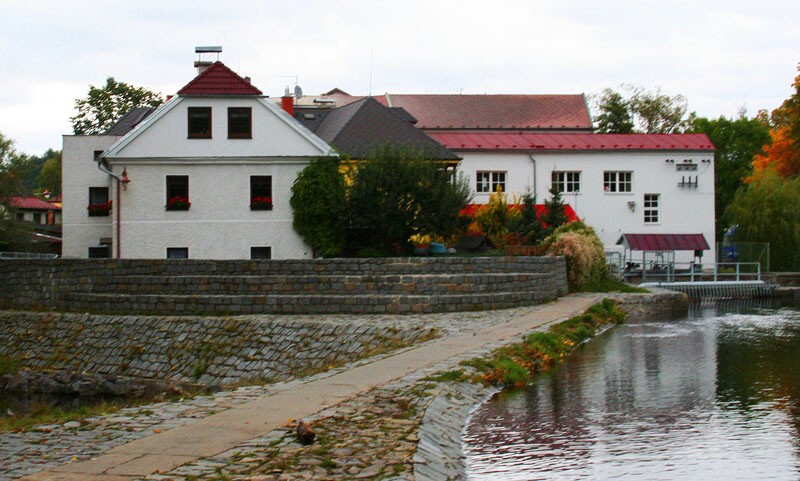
400, 265
430, 284
159, 304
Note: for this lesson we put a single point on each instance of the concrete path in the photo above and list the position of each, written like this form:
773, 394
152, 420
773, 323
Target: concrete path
220, 432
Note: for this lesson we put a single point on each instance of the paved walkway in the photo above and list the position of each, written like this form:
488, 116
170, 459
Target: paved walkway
219, 432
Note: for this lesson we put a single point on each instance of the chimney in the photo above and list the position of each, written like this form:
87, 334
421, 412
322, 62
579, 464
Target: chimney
200, 64
287, 102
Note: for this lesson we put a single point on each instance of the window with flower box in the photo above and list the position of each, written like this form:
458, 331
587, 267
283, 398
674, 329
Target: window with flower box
178, 192
99, 203
260, 192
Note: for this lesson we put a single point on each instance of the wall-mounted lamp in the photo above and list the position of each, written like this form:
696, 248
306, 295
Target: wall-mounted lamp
124, 179
632, 205
670, 161
687, 161
705, 160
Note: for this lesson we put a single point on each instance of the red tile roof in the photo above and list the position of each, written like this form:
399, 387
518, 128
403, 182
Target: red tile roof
664, 242
512, 141
494, 111
32, 203
486, 112
219, 80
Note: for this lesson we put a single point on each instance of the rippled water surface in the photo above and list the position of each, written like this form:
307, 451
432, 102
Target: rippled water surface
715, 396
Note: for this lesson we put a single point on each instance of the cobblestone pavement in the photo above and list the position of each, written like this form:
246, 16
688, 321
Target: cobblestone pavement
52, 445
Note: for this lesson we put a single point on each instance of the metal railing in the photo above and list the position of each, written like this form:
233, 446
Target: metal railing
693, 272
27, 255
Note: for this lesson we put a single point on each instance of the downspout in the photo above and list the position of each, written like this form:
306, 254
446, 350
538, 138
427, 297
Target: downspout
533, 161
122, 180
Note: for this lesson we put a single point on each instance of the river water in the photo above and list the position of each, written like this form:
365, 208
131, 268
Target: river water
713, 396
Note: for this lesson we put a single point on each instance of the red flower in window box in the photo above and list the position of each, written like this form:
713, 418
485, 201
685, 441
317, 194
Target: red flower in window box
178, 203
261, 203
99, 210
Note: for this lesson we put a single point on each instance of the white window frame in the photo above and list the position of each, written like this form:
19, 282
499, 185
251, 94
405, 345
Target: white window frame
652, 208
487, 181
618, 181
567, 181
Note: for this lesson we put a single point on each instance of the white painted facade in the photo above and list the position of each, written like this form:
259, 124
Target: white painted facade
682, 209
79, 172
219, 224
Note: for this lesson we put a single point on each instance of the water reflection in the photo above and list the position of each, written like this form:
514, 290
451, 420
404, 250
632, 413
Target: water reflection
712, 396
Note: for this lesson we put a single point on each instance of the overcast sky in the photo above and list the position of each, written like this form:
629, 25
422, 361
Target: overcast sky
721, 55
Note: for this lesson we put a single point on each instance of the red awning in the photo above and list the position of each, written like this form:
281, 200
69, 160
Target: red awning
664, 242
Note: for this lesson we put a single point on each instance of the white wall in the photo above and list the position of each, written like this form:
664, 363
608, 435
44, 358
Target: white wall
683, 210
79, 172
272, 137
219, 224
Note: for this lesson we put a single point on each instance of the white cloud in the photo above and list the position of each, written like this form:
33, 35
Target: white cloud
716, 53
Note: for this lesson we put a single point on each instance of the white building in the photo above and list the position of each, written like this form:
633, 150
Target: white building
207, 175
617, 183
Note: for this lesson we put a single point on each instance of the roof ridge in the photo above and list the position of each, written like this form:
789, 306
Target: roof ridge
235, 84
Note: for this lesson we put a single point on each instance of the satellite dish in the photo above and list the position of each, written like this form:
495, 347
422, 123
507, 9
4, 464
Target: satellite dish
298, 92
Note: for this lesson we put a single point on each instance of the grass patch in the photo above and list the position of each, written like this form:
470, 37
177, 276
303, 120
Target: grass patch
447, 376
45, 414
8, 364
514, 365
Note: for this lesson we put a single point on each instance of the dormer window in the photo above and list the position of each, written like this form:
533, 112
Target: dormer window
199, 122
240, 123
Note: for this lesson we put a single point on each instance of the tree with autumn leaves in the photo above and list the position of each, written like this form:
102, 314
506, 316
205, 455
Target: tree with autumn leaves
766, 208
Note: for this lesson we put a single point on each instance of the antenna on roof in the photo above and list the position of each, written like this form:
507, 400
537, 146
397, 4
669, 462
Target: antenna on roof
298, 91
202, 64
371, 61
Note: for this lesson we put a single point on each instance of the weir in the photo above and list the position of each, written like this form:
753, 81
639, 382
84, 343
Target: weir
718, 289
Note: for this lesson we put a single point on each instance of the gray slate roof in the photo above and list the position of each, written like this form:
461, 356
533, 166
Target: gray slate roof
131, 119
359, 128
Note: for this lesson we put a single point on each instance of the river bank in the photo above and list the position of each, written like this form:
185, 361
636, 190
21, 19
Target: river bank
394, 431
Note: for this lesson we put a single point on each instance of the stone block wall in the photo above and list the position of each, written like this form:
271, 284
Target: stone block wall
205, 350
208, 287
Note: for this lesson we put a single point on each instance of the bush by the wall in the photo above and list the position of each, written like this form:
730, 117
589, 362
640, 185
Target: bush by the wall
586, 261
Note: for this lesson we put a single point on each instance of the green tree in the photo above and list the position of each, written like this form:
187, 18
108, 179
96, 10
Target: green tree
103, 106
320, 207
650, 111
614, 113
14, 235
737, 142
528, 225
766, 211
50, 175
554, 215
397, 194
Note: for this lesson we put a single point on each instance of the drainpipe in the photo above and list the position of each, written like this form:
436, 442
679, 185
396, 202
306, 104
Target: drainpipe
122, 181
533, 161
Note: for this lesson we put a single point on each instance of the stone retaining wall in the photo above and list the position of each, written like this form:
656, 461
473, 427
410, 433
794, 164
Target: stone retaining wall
357, 286
206, 350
